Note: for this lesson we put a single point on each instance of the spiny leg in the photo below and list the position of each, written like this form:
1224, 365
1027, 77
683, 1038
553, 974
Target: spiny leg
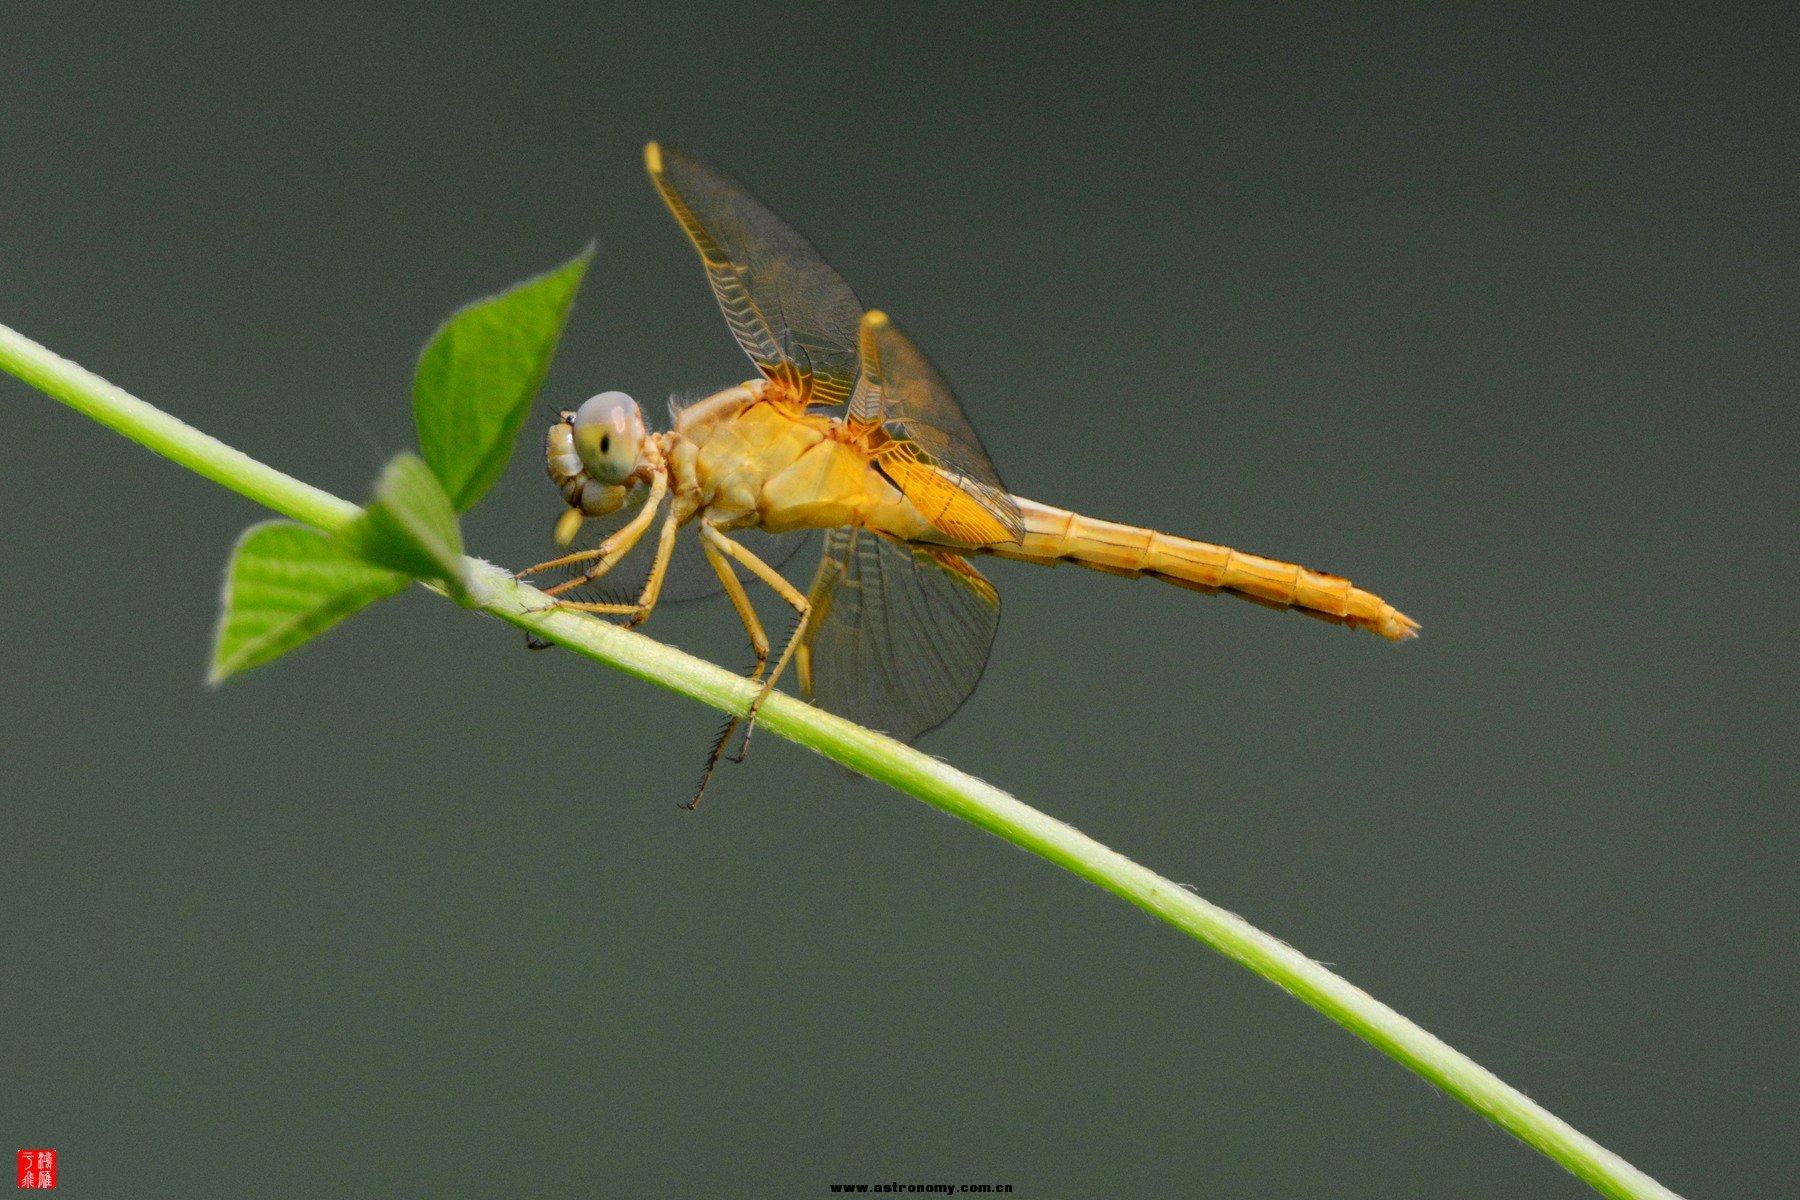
659, 569
787, 592
787, 653
567, 560
759, 643
717, 543
639, 612
614, 548
613, 551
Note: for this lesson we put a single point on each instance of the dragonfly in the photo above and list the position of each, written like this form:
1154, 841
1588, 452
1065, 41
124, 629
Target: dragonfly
850, 429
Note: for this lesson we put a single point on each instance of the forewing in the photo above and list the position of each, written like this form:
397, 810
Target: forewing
899, 635
924, 442
794, 316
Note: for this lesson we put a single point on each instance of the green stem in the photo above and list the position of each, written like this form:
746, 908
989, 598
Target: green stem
147, 425
879, 757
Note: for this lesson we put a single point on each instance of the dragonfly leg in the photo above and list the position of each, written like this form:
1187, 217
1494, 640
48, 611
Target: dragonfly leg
787, 654
608, 553
567, 560
759, 643
757, 566
665, 548
639, 612
718, 547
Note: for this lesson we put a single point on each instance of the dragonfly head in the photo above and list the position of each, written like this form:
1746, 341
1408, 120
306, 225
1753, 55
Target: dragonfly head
608, 432
590, 454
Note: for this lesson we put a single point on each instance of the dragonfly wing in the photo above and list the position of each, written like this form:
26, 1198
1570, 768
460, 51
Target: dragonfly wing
899, 635
794, 316
690, 575
924, 441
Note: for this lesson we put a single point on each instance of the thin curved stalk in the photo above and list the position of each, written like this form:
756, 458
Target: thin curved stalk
919, 775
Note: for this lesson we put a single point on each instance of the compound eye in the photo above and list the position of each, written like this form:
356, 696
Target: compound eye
608, 431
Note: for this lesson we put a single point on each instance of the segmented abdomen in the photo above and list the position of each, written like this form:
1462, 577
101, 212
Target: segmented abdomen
1054, 535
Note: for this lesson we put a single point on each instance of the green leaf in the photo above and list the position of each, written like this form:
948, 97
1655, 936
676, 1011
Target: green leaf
410, 526
479, 373
287, 584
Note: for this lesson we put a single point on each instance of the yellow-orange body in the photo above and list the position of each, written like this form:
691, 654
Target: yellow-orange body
895, 629
741, 458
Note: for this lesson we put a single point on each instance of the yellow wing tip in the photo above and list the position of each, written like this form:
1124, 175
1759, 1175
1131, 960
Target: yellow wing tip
875, 321
653, 159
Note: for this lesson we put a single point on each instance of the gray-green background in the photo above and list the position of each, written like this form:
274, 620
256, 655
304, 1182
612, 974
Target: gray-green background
1496, 315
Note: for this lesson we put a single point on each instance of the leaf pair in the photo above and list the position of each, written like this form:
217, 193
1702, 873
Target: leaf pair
288, 583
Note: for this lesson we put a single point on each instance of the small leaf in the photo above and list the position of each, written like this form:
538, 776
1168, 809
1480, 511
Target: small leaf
287, 584
409, 525
479, 372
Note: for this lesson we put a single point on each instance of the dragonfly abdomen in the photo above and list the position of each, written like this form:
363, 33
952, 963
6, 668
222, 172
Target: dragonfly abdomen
1054, 535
